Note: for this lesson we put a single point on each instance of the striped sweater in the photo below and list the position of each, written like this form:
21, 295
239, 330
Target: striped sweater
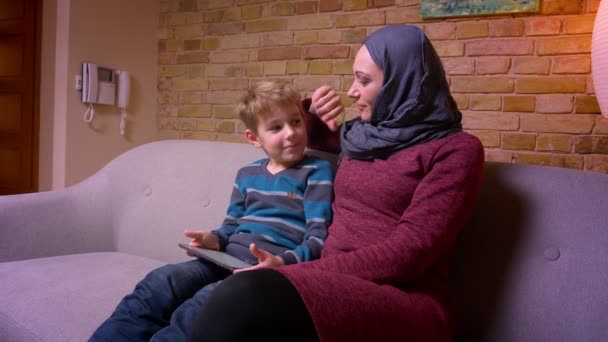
286, 214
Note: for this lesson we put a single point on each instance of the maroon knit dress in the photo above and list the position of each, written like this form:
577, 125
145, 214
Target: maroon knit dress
383, 272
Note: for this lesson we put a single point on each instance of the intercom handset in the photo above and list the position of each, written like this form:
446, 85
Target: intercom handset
124, 92
89, 83
105, 86
124, 89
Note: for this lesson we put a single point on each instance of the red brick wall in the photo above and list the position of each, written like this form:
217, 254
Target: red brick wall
523, 81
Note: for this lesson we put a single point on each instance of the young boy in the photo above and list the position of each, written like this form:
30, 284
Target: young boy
279, 212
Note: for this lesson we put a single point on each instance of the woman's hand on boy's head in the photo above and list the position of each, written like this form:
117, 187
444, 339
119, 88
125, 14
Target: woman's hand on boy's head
327, 105
202, 239
265, 259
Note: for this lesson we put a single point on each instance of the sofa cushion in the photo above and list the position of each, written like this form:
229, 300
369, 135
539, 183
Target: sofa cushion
530, 264
65, 298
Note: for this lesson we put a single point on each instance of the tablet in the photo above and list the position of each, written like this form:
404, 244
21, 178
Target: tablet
221, 259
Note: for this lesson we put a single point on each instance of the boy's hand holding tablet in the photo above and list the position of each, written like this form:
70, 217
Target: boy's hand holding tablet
204, 245
202, 239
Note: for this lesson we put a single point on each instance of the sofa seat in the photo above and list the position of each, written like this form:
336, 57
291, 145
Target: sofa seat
64, 298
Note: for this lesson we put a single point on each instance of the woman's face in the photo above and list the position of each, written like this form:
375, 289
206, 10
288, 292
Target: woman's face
367, 83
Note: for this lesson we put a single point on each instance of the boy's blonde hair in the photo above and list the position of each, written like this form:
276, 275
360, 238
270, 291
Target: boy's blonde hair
260, 99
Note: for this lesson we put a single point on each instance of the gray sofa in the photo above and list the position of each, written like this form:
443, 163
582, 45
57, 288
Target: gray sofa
531, 265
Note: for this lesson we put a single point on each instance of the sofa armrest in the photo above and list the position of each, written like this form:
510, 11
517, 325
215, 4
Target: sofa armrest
67, 221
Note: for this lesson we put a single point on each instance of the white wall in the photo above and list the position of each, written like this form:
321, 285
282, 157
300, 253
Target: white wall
114, 33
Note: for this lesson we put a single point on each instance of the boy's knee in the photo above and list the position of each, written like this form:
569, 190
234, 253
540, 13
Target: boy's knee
172, 271
161, 274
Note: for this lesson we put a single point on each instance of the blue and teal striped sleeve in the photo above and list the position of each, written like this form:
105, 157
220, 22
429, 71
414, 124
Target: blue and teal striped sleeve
317, 201
236, 210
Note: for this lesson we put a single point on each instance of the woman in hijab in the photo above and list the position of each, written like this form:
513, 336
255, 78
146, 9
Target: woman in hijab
406, 184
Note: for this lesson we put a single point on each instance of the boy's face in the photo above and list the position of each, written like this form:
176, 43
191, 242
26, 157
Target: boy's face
282, 135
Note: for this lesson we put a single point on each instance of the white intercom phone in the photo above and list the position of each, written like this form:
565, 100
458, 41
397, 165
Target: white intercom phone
124, 91
105, 86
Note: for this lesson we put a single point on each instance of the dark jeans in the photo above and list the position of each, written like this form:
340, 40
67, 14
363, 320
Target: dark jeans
163, 305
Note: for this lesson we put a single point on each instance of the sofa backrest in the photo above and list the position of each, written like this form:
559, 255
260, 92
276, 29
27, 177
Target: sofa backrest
161, 188
531, 263
167, 186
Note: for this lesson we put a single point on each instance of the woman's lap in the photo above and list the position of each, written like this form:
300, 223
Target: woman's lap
254, 304
364, 310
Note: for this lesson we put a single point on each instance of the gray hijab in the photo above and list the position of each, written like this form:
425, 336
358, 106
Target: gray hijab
414, 105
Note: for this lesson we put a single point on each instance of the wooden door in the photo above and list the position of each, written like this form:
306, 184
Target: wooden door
19, 32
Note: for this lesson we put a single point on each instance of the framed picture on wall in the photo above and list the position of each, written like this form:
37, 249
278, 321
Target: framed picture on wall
454, 8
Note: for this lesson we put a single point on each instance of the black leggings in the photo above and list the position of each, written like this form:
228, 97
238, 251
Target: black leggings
254, 305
